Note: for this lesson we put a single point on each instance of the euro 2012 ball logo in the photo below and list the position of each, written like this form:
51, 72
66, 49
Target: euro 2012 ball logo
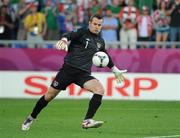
100, 59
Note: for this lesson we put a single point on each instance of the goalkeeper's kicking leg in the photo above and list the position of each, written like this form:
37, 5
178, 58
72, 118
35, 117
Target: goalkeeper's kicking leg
41, 103
96, 87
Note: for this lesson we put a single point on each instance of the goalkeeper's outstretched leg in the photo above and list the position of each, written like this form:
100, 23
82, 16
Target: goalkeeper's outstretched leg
41, 103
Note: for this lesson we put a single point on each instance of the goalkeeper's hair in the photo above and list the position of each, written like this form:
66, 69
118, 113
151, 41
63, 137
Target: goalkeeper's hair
98, 16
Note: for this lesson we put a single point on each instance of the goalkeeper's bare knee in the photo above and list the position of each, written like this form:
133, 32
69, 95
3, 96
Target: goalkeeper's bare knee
51, 94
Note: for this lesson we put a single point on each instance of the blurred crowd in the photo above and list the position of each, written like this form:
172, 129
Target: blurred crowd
128, 21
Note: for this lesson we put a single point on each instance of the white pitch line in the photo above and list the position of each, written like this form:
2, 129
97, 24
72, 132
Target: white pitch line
145, 109
172, 136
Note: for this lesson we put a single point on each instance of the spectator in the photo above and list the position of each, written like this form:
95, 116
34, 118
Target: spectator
81, 14
45, 2
145, 25
35, 25
104, 4
175, 22
168, 4
69, 23
50, 11
128, 19
161, 22
109, 28
95, 7
115, 8
6, 24
12, 11
61, 21
78, 13
148, 3
68, 13
23, 11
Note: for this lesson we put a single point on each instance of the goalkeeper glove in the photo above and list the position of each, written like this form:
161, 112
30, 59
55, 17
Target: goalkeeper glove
118, 74
62, 44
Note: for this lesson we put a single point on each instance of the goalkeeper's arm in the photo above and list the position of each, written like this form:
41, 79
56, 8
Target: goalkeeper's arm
117, 72
62, 44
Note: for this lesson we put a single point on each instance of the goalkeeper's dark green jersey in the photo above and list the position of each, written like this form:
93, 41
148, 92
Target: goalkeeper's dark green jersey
83, 45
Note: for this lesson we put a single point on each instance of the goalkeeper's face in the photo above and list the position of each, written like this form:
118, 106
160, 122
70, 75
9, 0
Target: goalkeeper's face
95, 25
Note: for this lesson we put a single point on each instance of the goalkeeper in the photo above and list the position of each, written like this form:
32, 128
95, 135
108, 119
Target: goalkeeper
77, 69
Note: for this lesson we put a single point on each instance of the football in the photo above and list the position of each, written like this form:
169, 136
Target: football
100, 59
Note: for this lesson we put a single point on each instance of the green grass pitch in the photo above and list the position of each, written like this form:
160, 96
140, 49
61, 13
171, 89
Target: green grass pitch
62, 119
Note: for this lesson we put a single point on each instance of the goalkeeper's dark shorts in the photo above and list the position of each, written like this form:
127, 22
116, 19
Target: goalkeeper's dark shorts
68, 75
